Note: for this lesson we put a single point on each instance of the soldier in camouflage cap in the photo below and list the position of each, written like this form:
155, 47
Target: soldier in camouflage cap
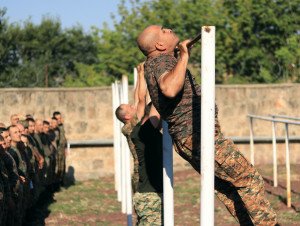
177, 97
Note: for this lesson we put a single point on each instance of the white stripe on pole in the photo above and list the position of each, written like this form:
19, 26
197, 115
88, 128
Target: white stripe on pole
288, 171
275, 183
118, 144
127, 160
207, 125
135, 74
168, 177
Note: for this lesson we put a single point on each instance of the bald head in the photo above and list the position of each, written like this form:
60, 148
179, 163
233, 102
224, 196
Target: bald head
148, 38
14, 119
156, 39
121, 112
125, 112
38, 126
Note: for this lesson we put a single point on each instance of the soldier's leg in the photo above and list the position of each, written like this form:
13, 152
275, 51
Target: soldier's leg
149, 208
233, 167
229, 196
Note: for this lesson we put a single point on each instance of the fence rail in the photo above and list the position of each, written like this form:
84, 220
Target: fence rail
287, 141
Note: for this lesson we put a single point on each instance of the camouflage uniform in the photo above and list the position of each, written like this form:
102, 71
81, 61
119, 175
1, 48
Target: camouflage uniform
43, 171
14, 187
4, 192
238, 184
126, 130
36, 187
22, 170
61, 158
48, 157
148, 207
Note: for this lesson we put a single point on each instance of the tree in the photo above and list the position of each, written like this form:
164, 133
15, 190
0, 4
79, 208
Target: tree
249, 34
33, 51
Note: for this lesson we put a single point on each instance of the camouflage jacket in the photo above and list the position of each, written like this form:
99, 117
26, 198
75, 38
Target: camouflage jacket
182, 112
126, 130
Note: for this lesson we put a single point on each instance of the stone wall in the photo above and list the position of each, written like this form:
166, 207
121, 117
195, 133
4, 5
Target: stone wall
88, 116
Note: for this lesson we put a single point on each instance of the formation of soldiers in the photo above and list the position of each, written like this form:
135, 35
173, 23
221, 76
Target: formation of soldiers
32, 162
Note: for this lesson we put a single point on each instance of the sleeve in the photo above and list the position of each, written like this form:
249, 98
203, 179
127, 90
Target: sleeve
164, 63
15, 156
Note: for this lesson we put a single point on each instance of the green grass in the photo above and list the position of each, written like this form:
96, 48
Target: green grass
94, 202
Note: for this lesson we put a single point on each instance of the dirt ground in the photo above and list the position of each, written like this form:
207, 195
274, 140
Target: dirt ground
94, 202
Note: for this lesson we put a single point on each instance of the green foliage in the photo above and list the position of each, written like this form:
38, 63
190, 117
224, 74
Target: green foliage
257, 41
249, 36
86, 76
32, 52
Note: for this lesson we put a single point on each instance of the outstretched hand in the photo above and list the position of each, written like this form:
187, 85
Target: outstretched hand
140, 67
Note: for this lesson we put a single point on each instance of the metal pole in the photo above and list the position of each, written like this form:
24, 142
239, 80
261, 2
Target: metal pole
251, 141
168, 176
207, 126
288, 173
135, 74
127, 160
118, 145
68, 148
123, 162
275, 183
123, 172
115, 132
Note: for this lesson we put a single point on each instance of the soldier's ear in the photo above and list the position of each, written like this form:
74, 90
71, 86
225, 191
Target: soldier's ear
160, 46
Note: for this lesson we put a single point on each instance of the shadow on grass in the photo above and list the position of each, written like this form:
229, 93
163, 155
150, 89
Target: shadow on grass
36, 215
282, 199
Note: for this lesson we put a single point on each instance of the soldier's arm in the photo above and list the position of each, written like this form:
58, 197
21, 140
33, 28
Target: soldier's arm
171, 83
154, 117
140, 108
136, 92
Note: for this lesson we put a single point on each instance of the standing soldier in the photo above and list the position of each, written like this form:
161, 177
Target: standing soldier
33, 162
14, 179
15, 135
62, 147
5, 195
38, 186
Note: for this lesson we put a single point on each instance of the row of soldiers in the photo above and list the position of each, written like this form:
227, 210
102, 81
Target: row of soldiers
32, 162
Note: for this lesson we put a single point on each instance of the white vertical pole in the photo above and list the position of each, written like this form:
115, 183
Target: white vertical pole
168, 177
275, 183
207, 125
118, 145
68, 147
123, 172
115, 132
123, 160
287, 161
127, 160
135, 74
251, 141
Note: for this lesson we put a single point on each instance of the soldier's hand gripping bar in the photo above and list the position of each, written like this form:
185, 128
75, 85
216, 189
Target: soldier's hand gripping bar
192, 42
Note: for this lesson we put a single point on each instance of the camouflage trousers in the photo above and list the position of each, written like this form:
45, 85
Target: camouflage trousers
61, 166
149, 208
237, 183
